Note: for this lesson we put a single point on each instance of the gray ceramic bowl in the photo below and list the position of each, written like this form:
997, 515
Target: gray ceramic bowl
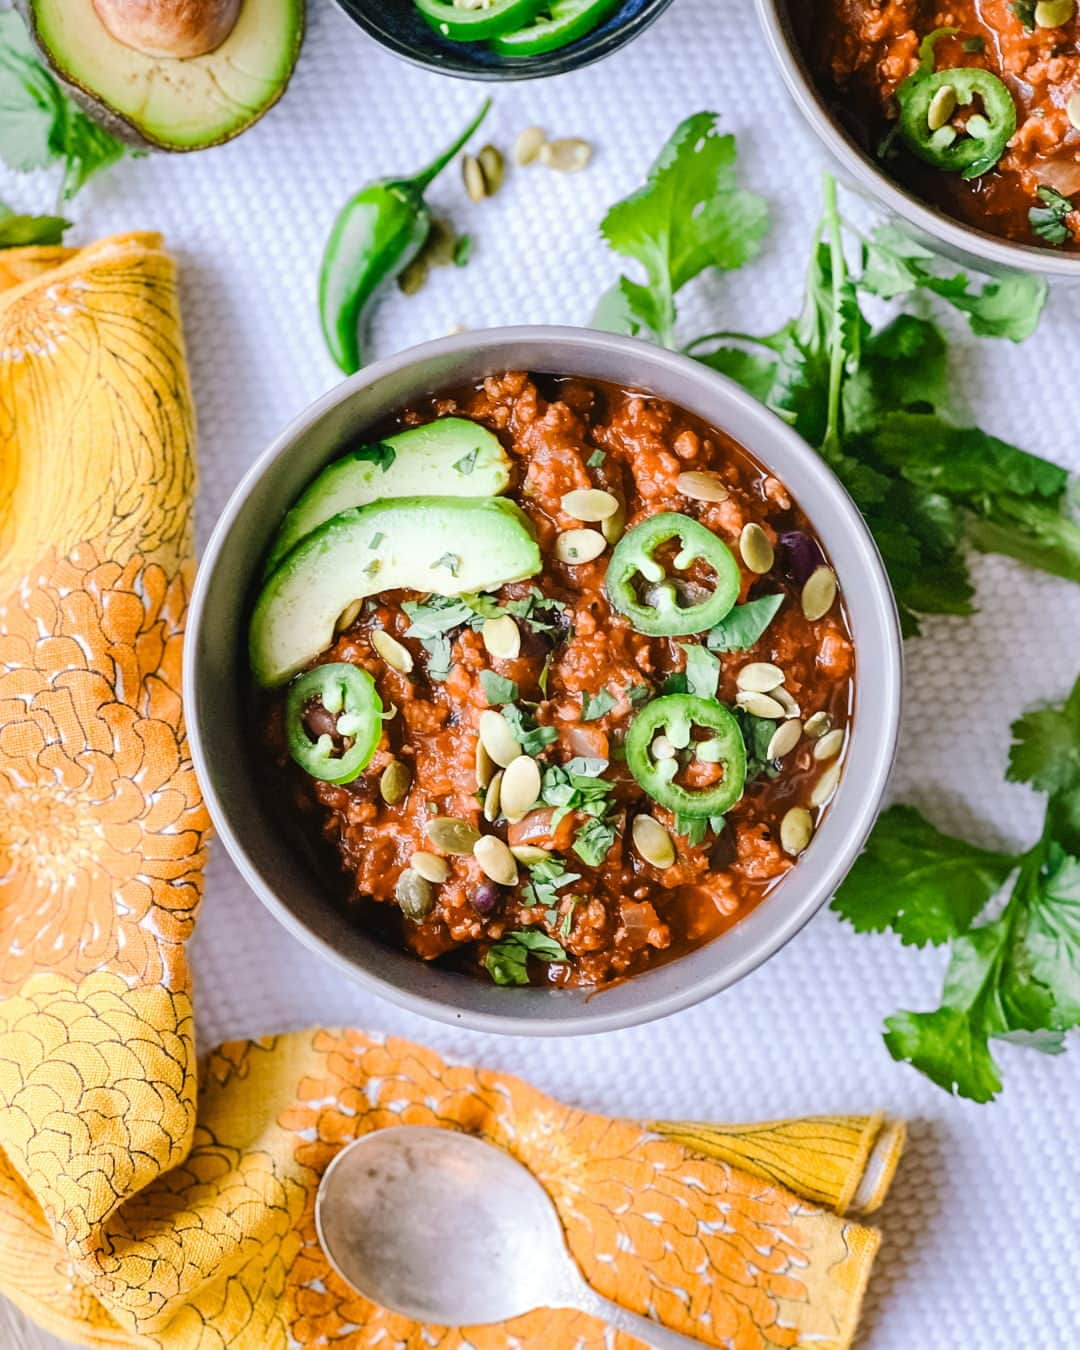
970, 247
215, 679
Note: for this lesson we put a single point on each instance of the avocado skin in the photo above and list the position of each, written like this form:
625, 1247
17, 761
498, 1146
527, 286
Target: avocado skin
294, 615
95, 106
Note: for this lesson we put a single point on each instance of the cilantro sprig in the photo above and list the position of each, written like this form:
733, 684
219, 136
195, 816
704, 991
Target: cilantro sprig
507, 961
1014, 978
874, 400
40, 125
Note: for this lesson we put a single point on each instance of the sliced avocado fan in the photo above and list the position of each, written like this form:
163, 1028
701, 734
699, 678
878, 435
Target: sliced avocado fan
166, 101
451, 457
438, 545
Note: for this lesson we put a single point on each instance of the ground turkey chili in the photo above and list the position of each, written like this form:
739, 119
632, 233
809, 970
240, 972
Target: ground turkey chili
983, 120
542, 701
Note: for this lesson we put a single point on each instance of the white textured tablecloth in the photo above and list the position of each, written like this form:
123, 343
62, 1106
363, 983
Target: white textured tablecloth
981, 1234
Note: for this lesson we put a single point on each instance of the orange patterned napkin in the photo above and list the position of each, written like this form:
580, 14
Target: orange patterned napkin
135, 1211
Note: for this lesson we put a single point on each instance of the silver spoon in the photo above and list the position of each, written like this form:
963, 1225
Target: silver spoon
444, 1228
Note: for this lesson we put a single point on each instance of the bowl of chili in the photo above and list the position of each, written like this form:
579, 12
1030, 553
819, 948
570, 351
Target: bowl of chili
507, 39
951, 116
693, 699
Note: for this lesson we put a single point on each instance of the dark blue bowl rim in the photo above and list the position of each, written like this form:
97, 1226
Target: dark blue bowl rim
474, 62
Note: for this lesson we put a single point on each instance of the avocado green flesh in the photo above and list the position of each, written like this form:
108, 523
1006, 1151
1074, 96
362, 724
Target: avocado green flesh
437, 545
452, 457
174, 104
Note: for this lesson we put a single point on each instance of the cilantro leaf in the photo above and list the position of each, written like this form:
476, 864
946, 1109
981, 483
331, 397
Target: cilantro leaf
925, 885
1045, 948
467, 463
496, 689
545, 881
576, 786
755, 373
1045, 750
531, 736
595, 706
702, 670
380, 453
17, 231
1050, 220
744, 625
507, 960
593, 840
689, 215
757, 732
1008, 306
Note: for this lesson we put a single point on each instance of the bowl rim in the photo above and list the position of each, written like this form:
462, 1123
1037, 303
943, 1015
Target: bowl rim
561, 61
655, 362
997, 253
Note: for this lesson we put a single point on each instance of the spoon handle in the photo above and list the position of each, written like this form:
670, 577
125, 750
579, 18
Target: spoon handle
586, 1299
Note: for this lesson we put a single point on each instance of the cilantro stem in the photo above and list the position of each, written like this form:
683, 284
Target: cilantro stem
837, 354
730, 336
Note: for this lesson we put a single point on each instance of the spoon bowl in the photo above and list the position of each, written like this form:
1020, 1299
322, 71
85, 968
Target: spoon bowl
446, 1229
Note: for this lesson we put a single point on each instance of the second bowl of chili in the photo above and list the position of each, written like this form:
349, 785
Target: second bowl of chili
683, 674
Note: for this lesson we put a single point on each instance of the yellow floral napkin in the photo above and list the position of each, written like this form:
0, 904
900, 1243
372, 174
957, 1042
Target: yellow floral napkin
137, 1209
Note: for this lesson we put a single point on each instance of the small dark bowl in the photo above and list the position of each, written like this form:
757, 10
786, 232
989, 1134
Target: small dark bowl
397, 25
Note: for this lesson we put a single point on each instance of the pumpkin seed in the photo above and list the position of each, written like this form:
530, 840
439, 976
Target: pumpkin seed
662, 748
394, 653
1054, 13
493, 797
579, 546
790, 707
430, 866
394, 782
493, 167
568, 154
1072, 109
614, 527
412, 277
530, 854
590, 504
485, 766
825, 786
756, 549
348, 616
452, 835
818, 724
653, 842
942, 106
761, 705
414, 895
784, 739
498, 737
495, 859
796, 830
502, 638
819, 593
701, 486
527, 146
759, 677
830, 745
473, 177
520, 787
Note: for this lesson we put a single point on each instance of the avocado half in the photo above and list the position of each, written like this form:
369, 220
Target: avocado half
171, 102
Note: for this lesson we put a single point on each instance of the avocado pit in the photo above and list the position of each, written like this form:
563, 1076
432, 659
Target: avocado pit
169, 28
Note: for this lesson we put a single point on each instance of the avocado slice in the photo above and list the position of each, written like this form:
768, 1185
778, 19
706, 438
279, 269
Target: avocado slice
452, 456
150, 98
438, 545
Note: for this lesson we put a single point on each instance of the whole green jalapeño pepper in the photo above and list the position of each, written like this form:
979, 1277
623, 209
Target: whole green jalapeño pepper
462, 24
675, 716
377, 233
927, 100
343, 699
659, 613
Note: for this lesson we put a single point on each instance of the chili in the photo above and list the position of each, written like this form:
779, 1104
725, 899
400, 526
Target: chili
376, 235
675, 716
660, 614
347, 696
562, 22
985, 136
473, 25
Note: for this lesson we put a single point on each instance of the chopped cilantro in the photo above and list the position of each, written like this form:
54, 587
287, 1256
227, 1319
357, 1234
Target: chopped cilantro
702, 670
638, 694
467, 463
496, 689
975, 44
1049, 221
595, 706
593, 840
380, 453
507, 961
576, 786
675, 683
596, 459
546, 879
450, 561
744, 625
1024, 10
531, 737
462, 250
376, 539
